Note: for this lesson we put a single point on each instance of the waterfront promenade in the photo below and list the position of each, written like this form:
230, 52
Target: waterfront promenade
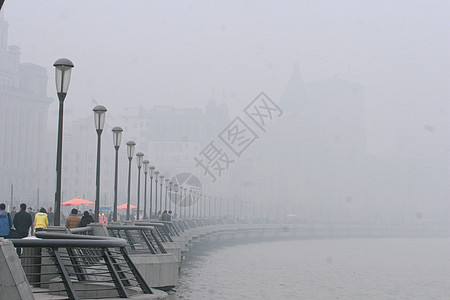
141, 260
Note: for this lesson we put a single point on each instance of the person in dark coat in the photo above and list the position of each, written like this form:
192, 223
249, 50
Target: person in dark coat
86, 219
22, 222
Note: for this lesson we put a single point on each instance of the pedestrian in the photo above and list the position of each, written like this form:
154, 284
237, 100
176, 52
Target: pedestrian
5, 221
22, 222
164, 216
32, 214
86, 219
51, 216
169, 216
110, 217
102, 218
159, 216
73, 221
41, 220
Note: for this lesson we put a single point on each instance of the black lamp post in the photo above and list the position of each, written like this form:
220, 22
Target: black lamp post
139, 159
190, 197
130, 152
145, 162
99, 120
166, 181
180, 188
170, 194
152, 173
63, 68
117, 137
175, 188
185, 202
156, 193
161, 181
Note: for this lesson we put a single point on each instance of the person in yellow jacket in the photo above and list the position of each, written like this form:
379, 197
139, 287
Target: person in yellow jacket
41, 220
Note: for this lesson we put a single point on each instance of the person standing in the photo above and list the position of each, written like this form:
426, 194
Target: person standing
73, 221
41, 220
86, 219
22, 222
32, 214
102, 218
51, 216
5, 221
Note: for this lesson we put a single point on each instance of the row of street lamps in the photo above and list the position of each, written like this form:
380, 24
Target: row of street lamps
63, 69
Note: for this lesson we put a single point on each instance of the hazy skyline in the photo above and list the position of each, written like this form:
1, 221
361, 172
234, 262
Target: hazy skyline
180, 53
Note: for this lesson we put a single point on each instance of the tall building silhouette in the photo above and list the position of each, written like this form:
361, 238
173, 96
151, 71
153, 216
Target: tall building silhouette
23, 119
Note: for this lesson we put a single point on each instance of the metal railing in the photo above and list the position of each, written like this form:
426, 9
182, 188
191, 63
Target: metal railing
139, 238
79, 266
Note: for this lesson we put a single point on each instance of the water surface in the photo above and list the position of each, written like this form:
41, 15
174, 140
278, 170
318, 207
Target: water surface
410, 268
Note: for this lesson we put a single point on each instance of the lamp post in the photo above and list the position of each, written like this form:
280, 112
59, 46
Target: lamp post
185, 202
145, 162
63, 68
185, 197
99, 120
152, 173
181, 199
139, 159
175, 188
161, 181
130, 152
117, 137
156, 193
167, 187
170, 194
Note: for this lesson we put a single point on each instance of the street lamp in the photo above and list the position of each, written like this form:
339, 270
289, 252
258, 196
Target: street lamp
161, 181
152, 173
63, 68
175, 188
139, 159
117, 137
185, 201
170, 194
145, 162
156, 193
99, 120
167, 187
130, 152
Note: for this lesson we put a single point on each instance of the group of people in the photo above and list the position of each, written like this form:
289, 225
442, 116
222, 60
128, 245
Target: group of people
165, 216
74, 221
23, 223
26, 222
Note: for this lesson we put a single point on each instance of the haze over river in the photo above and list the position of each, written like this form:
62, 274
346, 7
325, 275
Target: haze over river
372, 268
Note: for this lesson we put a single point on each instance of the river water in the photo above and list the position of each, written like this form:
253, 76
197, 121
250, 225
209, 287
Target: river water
378, 268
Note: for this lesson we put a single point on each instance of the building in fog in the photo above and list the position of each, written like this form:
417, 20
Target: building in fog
23, 119
168, 136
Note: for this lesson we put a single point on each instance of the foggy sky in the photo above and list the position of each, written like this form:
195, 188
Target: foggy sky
184, 52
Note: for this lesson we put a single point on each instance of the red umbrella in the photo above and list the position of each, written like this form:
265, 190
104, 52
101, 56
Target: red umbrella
124, 206
77, 201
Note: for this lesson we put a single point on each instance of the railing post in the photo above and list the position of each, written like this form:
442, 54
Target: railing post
144, 286
114, 274
64, 275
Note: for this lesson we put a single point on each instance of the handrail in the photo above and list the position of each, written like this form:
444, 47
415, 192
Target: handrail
144, 237
81, 229
80, 266
63, 243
